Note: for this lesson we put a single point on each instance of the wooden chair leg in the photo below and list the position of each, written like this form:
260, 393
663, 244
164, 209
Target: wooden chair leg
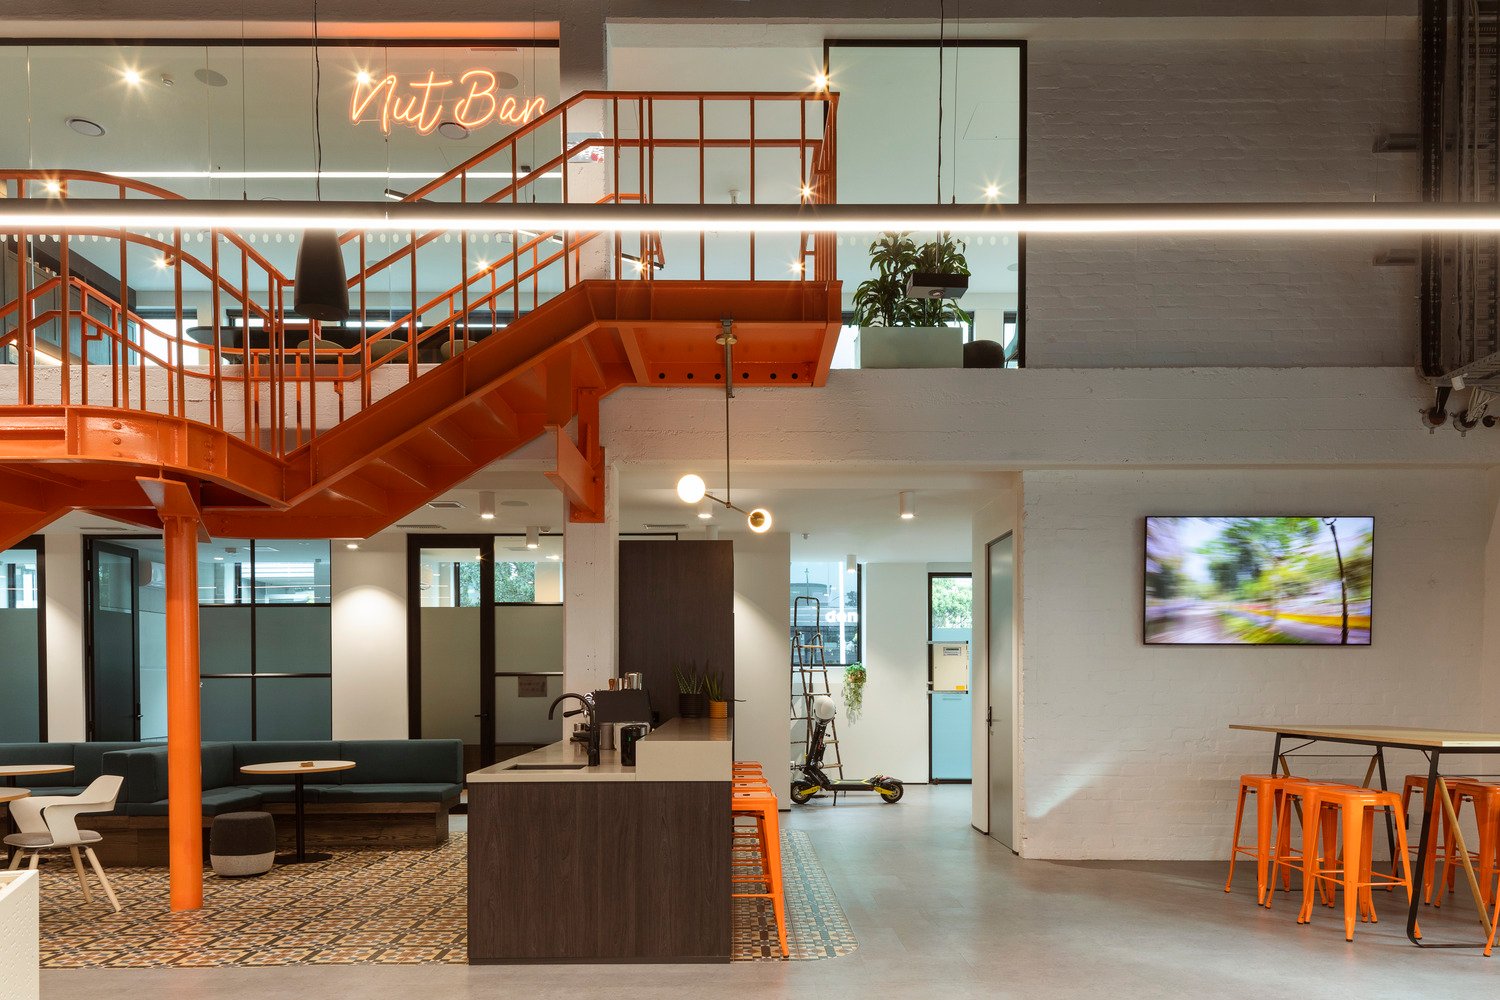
16, 859
83, 879
36, 860
103, 879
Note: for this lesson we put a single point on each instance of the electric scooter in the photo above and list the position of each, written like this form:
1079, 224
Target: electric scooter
815, 781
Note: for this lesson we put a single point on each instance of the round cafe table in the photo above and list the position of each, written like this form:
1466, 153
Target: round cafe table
10, 795
298, 769
10, 772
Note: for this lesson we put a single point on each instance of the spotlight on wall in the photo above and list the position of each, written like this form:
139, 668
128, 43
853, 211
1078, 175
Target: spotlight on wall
487, 505
851, 564
908, 504
533, 537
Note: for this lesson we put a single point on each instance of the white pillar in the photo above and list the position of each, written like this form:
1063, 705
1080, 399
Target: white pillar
591, 577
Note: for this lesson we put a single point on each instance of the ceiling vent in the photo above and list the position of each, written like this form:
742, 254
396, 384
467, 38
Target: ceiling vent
666, 527
445, 505
420, 527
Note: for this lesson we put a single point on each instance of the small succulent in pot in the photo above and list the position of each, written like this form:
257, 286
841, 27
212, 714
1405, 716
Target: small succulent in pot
713, 686
692, 702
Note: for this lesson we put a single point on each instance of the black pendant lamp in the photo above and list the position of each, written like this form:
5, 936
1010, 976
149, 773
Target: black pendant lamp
322, 289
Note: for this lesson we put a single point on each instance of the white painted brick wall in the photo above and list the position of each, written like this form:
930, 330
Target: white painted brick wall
1215, 121
1126, 748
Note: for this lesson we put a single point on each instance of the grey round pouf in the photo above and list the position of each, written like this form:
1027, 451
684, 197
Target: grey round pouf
242, 843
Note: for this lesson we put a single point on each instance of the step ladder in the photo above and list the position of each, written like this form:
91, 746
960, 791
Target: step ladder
810, 681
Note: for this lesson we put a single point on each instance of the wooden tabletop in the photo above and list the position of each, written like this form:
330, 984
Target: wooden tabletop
298, 767
21, 770
11, 794
1437, 738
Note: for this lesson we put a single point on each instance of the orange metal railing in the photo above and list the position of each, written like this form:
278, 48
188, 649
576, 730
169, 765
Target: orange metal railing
264, 374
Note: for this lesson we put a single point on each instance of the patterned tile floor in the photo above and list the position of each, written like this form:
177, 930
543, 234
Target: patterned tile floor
362, 907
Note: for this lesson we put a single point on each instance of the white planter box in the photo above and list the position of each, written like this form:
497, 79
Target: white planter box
910, 347
20, 936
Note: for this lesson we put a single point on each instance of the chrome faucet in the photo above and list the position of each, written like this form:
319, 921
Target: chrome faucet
593, 725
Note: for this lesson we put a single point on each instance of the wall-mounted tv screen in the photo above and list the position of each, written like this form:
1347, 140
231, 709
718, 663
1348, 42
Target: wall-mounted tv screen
1258, 580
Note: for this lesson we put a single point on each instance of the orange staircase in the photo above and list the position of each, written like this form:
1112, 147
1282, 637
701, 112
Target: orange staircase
273, 438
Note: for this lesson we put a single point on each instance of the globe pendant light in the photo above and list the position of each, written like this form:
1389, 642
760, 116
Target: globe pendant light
322, 289
691, 488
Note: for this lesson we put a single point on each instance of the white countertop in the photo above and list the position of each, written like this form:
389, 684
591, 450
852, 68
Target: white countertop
681, 750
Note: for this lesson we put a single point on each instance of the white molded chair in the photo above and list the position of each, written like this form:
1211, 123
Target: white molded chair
50, 823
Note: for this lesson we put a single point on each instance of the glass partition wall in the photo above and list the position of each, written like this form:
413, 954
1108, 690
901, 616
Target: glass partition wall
264, 638
485, 641
23, 667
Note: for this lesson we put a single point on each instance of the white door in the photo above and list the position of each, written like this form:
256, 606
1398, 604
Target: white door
1000, 625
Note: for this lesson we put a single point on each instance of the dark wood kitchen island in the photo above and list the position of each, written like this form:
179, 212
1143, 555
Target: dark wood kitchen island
570, 863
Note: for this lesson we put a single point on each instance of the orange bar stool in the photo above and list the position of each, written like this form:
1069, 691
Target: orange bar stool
1356, 809
1283, 858
759, 805
1485, 797
1267, 791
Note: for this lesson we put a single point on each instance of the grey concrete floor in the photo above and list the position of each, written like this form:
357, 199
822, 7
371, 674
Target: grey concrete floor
942, 911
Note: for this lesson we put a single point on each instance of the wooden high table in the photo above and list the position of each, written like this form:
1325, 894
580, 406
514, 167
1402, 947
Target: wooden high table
1433, 743
10, 772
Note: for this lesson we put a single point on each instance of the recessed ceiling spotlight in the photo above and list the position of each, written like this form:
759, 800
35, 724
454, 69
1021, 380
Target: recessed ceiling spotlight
487, 505
554, 557
820, 81
991, 191
53, 187
351, 546
908, 507
452, 130
210, 77
131, 76
363, 77
84, 126
705, 511
533, 537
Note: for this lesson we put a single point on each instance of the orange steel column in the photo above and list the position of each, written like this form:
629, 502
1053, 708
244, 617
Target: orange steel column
184, 763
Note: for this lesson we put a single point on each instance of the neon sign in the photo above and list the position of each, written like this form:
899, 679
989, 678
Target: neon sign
421, 102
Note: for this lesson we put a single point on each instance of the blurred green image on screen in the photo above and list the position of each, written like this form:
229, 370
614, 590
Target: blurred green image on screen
1258, 580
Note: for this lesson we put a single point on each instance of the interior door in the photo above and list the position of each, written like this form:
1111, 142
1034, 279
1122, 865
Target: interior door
114, 651
1000, 626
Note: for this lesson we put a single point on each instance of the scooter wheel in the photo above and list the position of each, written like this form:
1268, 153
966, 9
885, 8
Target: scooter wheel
802, 791
890, 789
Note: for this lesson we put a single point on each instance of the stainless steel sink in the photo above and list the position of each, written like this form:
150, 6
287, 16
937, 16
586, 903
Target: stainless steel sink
547, 767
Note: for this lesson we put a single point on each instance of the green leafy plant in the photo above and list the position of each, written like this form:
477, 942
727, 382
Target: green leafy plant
713, 685
689, 680
882, 301
854, 691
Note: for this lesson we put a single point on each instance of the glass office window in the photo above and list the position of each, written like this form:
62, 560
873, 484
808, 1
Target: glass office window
21, 708
826, 596
293, 708
226, 713
224, 571
449, 577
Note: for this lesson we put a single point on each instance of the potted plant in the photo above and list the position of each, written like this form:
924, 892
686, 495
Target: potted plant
692, 703
900, 332
713, 686
854, 691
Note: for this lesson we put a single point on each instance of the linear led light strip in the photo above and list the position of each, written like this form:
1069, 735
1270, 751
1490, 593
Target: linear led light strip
307, 175
58, 214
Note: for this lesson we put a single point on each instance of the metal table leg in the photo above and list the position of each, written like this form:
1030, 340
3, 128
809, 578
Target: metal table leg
301, 857
1422, 845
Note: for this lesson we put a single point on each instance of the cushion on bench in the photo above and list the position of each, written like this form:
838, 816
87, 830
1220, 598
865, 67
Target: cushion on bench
394, 791
397, 762
215, 801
